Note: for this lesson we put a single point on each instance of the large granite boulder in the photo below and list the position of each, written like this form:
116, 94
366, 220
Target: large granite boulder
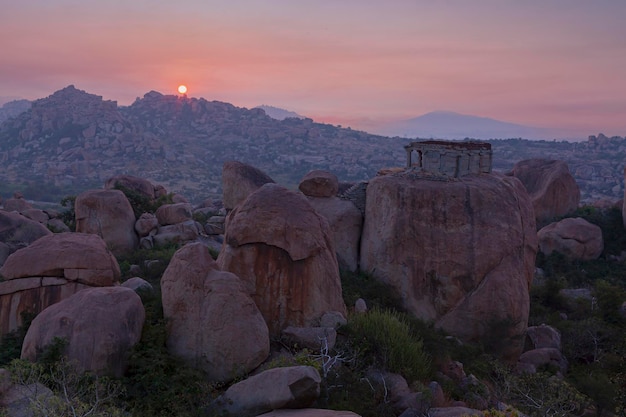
239, 181
573, 237
319, 183
17, 231
550, 185
282, 249
212, 323
346, 222
100, 325
108, 214
289, 387
460, 253
50, 270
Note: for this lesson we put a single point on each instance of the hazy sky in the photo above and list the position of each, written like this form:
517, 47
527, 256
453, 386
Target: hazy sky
549, 63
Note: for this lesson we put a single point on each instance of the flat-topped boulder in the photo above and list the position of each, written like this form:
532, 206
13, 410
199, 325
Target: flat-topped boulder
51, 269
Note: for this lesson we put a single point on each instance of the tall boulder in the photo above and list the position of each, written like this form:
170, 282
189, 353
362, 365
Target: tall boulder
239, 180
346, 222
108, 214
550, 185
213, 324
51, 269
100, 325
460, 253
573, 237
282, 249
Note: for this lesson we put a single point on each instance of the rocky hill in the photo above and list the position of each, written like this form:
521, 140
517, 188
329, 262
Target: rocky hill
73, 140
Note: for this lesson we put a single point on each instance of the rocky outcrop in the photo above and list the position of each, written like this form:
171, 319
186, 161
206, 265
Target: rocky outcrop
573, 237
550, 185
212, 323
17, 203
319, 183
17, 231
290, 387
239, 181
173, 213
108, 214
50, 270
346, 222
531, 361
543, 336
138, 185
282, 249
100, 325
460, 253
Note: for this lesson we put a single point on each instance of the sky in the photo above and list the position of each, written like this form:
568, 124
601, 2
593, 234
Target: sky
543, 63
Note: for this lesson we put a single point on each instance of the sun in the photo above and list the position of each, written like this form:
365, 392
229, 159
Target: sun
182, 89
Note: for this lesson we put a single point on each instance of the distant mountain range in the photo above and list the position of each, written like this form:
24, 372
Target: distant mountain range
450, 125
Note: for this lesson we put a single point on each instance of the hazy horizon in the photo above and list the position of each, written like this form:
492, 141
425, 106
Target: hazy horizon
550, 65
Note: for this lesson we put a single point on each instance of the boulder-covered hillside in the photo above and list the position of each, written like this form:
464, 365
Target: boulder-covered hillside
72, 141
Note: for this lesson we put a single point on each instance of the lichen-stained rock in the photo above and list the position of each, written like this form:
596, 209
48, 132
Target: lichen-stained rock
212, 323
550, 185
108, 214
319, 183
50, 270
239, 181
100, 325
282, 249
346, 222
573, 237
460, 253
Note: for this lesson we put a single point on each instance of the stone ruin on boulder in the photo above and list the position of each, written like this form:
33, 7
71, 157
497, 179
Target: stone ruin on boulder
454, 159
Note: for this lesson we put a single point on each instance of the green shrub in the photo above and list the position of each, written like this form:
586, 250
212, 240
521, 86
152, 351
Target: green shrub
69, 216
11, 343
387, 338
141, 203
158, 384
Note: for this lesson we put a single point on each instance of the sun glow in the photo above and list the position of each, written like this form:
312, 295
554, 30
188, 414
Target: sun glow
182, 89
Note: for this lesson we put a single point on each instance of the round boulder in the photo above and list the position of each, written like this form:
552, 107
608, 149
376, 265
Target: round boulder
573, 237
319, 183
239, 180
100, 325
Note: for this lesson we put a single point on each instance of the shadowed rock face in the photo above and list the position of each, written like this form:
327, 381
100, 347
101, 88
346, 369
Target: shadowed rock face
281, 248
550, 185
108, 214
460, 253
239, 181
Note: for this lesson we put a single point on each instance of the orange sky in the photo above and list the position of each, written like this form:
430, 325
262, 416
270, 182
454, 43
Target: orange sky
557, 63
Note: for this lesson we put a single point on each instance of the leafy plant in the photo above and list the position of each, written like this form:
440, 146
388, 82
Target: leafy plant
387, 337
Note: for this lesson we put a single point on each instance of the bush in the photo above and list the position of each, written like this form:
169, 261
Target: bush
387, 337
11, 343
141, 203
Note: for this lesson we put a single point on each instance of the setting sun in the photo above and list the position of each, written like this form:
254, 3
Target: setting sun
182, 89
